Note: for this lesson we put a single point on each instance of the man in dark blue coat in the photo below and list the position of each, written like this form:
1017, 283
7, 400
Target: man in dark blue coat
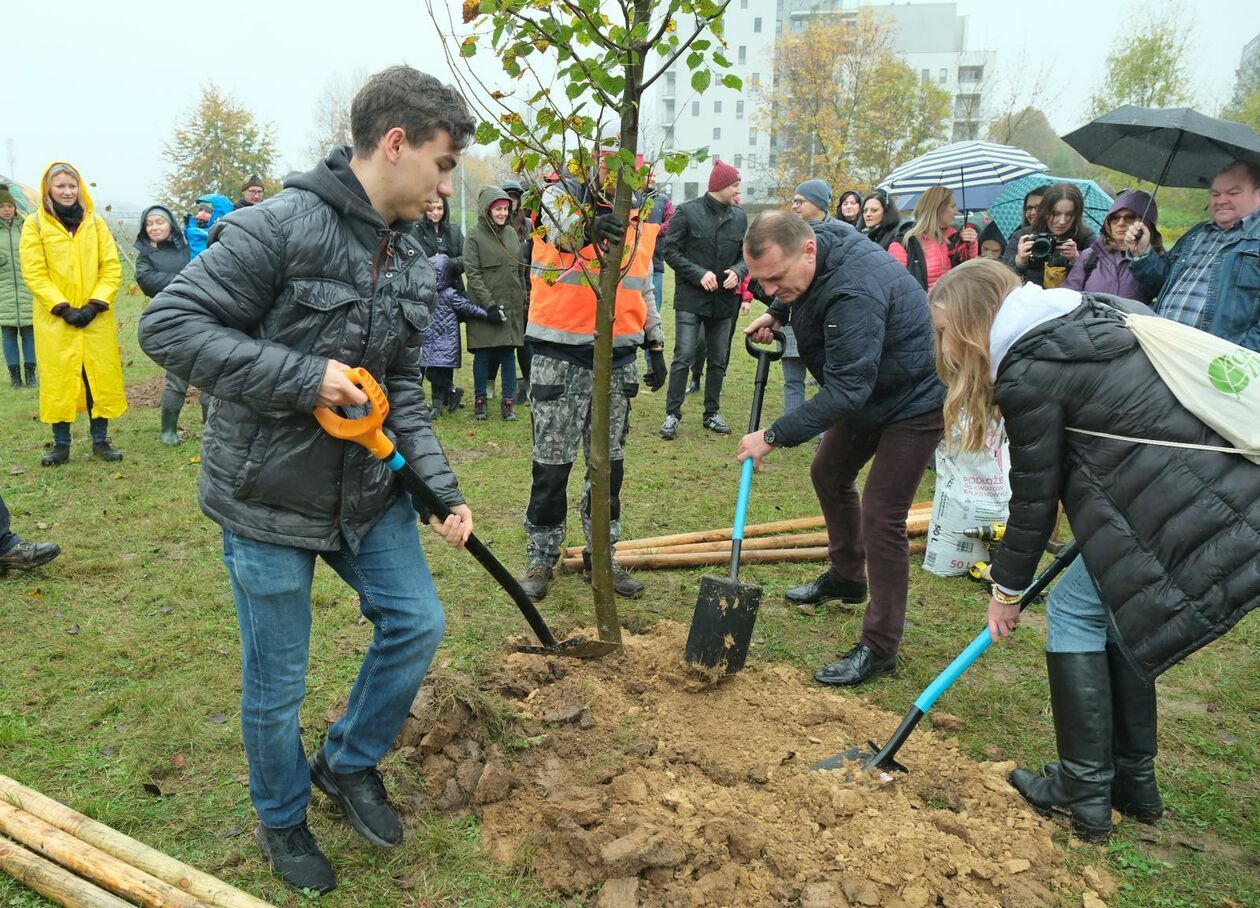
864, 330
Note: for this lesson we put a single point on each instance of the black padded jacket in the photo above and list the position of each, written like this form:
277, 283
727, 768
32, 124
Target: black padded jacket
1169, 535
309, 275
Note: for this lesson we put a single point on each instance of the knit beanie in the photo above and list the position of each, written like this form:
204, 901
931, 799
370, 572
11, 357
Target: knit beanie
723, 175
817, 193
6, 196
252, 181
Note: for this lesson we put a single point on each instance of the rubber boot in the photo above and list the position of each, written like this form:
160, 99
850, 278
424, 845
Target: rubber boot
15, 377
1134, 792
170, 427
454, 399
32, 381
1080, 785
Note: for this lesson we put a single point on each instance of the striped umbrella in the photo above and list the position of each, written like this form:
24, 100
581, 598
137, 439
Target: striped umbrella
977, 171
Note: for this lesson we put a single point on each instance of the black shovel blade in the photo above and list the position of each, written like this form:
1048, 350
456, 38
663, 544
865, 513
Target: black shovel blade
868, 756
722, 625
574, 647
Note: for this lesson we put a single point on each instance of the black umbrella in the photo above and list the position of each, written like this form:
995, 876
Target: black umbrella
1173, 147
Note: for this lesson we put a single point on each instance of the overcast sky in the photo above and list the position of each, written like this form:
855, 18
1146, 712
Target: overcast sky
133, 69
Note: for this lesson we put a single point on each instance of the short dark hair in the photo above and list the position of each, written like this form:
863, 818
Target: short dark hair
1251, 168
418, 103
776, 228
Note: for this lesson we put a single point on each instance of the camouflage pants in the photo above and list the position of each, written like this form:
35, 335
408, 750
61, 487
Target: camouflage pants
560, 408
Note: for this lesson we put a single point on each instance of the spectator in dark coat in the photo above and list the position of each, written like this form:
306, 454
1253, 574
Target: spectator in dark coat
1168, 532
992, 243
881, 221
440, 356
862, 326
251, 193
439, 235
161, 254
492, 264
849, 208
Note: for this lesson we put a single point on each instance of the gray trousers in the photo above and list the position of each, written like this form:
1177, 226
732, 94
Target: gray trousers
688, 330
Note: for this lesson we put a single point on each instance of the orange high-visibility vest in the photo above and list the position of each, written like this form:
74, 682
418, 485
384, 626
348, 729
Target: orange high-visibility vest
562, 303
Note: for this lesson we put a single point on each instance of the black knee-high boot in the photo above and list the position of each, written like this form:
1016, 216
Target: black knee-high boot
1080, 784
1134, 792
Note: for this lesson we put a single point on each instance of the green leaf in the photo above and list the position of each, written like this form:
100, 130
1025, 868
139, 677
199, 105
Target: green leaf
694, 59
468, 47
700, 79
730, 80
721, 60
701, 44
573, 89
487, 133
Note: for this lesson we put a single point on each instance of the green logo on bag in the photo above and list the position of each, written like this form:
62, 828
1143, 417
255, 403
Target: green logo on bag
1231, 374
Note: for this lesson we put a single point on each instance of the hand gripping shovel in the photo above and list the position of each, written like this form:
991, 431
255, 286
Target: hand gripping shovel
726, 609
366, 431
884, 758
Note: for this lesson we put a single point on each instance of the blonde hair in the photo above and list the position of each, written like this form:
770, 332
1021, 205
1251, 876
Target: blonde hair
967, 298
927, 213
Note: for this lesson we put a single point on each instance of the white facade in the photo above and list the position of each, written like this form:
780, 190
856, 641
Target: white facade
930, 37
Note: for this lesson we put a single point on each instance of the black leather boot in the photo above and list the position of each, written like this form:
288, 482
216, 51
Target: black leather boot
15, 377
31, 379
1079, 786
1133, 745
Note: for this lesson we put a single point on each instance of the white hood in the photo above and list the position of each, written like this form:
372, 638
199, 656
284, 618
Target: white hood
1024, 309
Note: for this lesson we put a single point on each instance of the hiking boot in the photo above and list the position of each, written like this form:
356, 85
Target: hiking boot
362, 796
105, 451
858, 665
693, 386
479, 408
716, 423
170, 427
536, 581
507, 409
825, 589
295, 858
56, 456
624, 585
27, 555
15, 377
669, 428
32, 381
454, 399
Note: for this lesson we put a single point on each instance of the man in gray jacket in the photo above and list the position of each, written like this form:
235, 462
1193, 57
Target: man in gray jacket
266, 320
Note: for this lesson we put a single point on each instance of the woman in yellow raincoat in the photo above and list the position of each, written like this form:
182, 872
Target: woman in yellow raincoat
70, 262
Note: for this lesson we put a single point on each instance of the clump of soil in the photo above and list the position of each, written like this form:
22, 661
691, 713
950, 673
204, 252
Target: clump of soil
640, 776
148, 393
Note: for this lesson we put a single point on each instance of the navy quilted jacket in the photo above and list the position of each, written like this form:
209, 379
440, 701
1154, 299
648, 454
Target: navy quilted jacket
1169, 535
865, 333
441, 339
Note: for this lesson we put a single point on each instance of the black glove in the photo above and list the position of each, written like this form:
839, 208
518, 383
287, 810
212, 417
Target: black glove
607, 230
496, 313
79, 317
657, 373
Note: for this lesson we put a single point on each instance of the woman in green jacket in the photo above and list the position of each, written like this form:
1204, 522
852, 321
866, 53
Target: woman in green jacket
492, 268
15, 296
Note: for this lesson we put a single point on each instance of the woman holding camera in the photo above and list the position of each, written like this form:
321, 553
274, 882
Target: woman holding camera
932, 246
1103, 267
1045, 251
1168, 530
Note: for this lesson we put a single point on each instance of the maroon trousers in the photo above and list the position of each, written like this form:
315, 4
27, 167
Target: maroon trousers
867, 537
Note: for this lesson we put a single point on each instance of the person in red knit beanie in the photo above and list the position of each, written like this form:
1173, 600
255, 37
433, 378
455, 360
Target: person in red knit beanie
723, 177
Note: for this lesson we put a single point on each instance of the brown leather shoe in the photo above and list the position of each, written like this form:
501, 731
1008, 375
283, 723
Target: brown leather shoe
27, 555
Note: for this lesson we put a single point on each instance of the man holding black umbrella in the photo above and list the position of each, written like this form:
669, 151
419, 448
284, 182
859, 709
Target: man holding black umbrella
1211, 278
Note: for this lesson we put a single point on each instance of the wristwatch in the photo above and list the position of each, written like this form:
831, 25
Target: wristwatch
772, 439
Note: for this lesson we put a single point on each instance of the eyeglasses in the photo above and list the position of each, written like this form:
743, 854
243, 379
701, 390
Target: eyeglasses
1028, 208
798, 202
1123, 216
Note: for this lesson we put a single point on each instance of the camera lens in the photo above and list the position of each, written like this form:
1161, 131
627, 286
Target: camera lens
1042, 246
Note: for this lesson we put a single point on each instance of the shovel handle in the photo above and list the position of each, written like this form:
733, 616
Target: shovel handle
365, 430
776, 352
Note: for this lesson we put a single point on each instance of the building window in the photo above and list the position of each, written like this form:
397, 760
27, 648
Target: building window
743, 54
925, 75
755, 80
942, 76
752, 136
739, 110
717, 132
669, 108
671, 83
743, 4
752, 162
739, 161
667, 142
717, 107
774, 160
778, 26
970, 74
690, 191
757, 24
695, 108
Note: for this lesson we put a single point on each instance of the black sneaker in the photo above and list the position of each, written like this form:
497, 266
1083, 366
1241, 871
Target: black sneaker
295, 858
825, 589
362, 796
716, 423
693, 386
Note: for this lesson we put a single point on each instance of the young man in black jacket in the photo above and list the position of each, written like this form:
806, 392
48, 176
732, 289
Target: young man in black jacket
265, 320
865, 332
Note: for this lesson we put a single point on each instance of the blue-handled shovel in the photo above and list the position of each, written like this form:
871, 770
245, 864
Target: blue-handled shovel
884, 758
726, 610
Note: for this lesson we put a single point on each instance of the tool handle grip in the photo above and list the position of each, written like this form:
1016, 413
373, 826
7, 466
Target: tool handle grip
365, 430
776, 352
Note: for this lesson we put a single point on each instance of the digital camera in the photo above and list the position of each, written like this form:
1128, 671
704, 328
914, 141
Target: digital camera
1044, 245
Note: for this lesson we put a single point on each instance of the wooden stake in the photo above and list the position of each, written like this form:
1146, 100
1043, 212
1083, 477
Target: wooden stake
90, 863
52, 882
208, 889
643, 562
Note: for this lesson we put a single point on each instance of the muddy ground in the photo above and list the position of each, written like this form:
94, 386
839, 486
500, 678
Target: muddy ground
636, 780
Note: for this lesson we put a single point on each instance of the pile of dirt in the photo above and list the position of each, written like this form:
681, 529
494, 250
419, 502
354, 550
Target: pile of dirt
148, 393
635, 774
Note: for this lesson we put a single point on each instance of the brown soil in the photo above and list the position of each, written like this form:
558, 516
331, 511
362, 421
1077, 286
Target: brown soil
148, 393
639, 776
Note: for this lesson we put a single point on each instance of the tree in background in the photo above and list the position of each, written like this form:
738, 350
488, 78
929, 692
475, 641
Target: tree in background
1244, 107
844, 107
1029, 129
218, 147
1147, 66
330, 123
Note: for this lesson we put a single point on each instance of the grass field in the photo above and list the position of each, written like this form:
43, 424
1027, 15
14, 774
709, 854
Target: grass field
119, 679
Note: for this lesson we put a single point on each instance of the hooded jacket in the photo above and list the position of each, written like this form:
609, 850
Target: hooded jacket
441, 340
16, 303
864, 330
444, 238
492, 267
198, 237
60, 267
308, 275
157, 266
1169, 535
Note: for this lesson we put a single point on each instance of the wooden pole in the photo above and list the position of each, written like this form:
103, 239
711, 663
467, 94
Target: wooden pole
91, 863
697, 559
53, 882
790, 541
212, 891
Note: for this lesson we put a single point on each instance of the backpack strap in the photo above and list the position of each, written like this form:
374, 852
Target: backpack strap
1166, 444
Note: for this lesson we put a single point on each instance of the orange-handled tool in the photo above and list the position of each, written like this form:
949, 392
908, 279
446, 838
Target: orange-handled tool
367, 431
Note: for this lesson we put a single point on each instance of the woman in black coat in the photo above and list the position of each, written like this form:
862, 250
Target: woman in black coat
162, 253
881, 221
1168, 533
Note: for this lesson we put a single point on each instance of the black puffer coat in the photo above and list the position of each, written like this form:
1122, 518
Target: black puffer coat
705, 235
444, 238
864, 330
157, 267
1170, 535
286, 285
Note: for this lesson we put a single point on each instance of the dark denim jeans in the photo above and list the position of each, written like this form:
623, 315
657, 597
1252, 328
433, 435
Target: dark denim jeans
8, 538
272, 588
505, 359
689, 328
11, 334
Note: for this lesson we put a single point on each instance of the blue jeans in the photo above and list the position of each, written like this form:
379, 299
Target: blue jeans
272, 588
505, 357
793, 382
10, 344
1076, 619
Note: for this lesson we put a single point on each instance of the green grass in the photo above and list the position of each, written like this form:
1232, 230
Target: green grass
146, 691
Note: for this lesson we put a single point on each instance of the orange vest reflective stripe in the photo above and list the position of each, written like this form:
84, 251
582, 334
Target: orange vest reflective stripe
562, 303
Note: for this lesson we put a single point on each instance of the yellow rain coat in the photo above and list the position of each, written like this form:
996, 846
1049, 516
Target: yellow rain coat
60, 268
